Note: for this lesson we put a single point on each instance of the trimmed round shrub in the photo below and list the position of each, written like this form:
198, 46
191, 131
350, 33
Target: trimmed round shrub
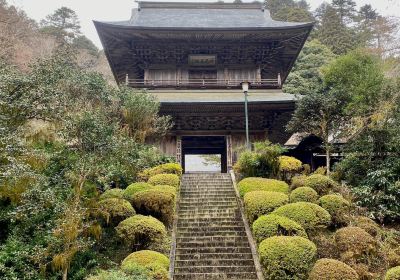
157, 203
112, 193
287, 257
140, 273
262, 184
164, 179
393, 273
166, 168
337, 206
272, 225
320, 183
367, 224
309, 215
354, 243
304, 194
156, 263
289, 164
134, 188
298, 181
141, 231
259, 203
116, 209
329, 269
165, 188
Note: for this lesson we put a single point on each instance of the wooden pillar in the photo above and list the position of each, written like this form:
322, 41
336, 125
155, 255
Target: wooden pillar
229, 154
179, 150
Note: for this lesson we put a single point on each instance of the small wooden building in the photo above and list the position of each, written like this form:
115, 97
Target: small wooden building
194, 57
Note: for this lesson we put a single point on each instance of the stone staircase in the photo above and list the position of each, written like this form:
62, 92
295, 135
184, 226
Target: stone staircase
211, 240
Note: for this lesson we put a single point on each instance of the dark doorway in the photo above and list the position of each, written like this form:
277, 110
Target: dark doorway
202, 74
205, 145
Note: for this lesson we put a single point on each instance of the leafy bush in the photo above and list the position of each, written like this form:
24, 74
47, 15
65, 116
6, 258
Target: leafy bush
337, 206
166, 168
261, 184
298, 181
320, 183
287, 257
259, 203
393, 273
354, 243
271, 225
116, 209
366, 224
156, 263
320, 170
304, 194
329, 269
289, 164
141, 231
165, 179
159, 203
309, 215
137, 274
134, 188
112, 193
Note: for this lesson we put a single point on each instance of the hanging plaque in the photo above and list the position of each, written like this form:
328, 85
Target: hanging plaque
202, 60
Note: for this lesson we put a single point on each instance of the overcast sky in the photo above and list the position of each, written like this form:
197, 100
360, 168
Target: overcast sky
115, 10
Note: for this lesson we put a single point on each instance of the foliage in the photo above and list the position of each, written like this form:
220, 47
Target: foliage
156, 263
287, 257
141, 231
393, 273
309, 215
329, 269
366, 224
298, 181
337, 206
138, 274
257, 203
272, 225
166, 168
116, 209
289, 164
112, 193
261, 184
132, 189
304, 194
320, 183
165, 179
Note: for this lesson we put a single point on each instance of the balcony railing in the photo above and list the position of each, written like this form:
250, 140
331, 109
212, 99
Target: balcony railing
202, 83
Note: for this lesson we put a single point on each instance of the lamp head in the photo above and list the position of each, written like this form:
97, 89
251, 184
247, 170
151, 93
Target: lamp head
245, 86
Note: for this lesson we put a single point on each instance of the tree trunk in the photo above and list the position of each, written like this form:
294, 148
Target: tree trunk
328, 161
65, 274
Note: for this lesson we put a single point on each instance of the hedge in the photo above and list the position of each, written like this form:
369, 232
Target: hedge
262, 184
156, 263
329, 269
356, 241
309, 215
367, 224
259, 203
141, 231
304, 194
271, 225
337, 206
287, 257
167, 168
320, 183
393, 273
289, 164
138, 274
130, 191
165, 179
116, 209
112, 193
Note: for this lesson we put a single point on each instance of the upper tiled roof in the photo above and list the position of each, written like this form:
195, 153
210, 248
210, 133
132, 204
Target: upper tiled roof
194, 15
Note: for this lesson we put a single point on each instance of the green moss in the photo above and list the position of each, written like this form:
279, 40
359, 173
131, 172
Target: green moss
165, 179
289, 164
337, 206
304, 194
320, 183
393, 273
112, 193
287, 257
259, 203
329, 269
167, 168
367, 224
141, 231
271, 225
116, 209
262, 184
134, 188
156, 263
309, 215
158, 202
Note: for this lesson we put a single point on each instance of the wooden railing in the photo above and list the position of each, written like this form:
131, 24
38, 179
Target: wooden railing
202, 83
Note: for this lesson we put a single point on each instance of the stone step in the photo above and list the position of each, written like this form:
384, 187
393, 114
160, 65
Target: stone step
216, 276
214, 262
207, 199
238, 228
212, 233
215, 269
213, 250
207, 256
213, 244
191, 192
212, 239
208, 224
221, 203
204, 212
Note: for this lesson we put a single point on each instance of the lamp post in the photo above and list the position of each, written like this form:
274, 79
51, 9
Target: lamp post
245, 87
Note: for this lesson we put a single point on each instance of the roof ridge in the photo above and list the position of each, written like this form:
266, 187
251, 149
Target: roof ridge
199, 5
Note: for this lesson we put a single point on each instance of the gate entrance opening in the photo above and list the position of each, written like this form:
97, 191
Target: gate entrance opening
204, 145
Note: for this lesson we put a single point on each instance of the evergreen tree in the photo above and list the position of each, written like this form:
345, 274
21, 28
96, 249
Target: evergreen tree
346, 9
366, 19
289, 10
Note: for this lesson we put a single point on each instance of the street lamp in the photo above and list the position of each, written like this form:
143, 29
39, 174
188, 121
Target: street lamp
245, 87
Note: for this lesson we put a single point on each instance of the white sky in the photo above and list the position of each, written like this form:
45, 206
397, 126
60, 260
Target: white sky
116, 10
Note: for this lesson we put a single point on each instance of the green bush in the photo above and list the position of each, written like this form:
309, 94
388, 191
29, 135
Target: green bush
354, 243
116, 209
112, 193
271, 225
320, 183
157, 202
289, 164
261, 184
309, 215
166, 168
259, 203
367, 224
287, 257
329, 269
298, 181
165, 188
337, 206
164, 179
304, 194
134, 188
393, 273
156, 263
137, 274
141, 231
